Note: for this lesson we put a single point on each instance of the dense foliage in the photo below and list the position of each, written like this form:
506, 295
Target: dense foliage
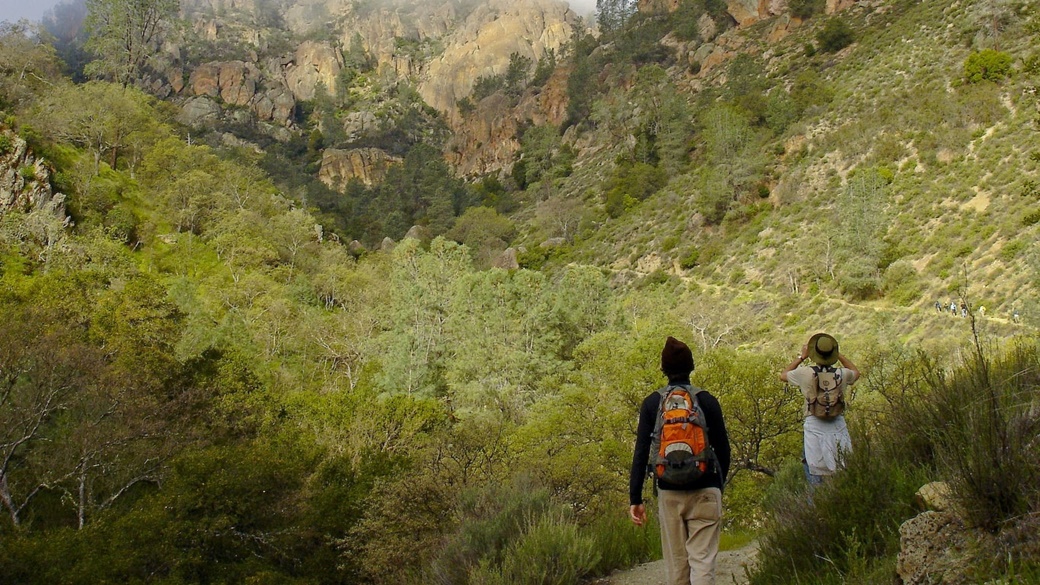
201, 382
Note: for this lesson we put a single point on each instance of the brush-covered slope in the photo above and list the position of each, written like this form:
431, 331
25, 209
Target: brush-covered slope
855, 169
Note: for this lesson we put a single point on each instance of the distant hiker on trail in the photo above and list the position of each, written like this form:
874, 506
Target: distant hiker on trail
823, 386
982, 310
953, 308
938, 307
681, 441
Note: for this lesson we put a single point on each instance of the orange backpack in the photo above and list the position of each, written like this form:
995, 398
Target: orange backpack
679, 452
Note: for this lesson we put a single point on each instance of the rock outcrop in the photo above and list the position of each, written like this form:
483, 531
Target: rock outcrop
482, 45
368, 165
236, 83
507, 260
25, 180
313, 64
485, 141
933, 545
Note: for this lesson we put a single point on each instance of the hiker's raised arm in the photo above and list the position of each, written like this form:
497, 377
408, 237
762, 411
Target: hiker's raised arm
847, 363
802, 356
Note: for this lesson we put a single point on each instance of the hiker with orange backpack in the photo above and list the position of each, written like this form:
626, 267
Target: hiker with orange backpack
825, 435
681, 442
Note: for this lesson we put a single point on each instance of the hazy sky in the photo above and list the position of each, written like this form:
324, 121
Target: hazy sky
14, 10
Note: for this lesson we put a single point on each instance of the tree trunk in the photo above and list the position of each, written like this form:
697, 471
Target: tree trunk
5, 497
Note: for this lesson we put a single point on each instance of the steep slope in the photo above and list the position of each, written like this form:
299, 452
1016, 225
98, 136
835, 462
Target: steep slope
895, 183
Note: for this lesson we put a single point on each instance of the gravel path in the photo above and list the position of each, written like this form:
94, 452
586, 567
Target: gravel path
729, 571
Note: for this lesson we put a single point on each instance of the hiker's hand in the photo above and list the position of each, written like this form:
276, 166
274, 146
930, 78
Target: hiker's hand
805, 352
638, 514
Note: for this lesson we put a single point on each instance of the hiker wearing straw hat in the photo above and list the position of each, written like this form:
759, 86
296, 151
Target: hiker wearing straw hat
824, 386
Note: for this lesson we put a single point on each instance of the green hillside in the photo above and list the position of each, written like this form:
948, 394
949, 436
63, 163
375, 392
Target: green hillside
879, 174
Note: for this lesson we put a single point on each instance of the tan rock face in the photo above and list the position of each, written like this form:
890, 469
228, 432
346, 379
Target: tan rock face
313, 63
368, 165
483, 44
485, 141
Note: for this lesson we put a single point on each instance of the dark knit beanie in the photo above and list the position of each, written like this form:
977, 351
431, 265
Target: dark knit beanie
676, 357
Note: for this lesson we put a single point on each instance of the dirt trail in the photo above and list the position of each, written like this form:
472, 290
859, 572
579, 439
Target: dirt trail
729, 571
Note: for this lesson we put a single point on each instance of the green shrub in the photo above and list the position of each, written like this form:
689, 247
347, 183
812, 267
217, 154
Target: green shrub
623, 544
901, 283
1011, 250
990, 451
121, 224
987, 65
551, 551
852, 519
516, 534
806, 8
835, 36
690, 259
487, 85
1031, 218
28, 172
492, 519
5, 144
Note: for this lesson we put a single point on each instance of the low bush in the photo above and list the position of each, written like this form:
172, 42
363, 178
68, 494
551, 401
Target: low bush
806, 8
848, 521
987, 65
835, 36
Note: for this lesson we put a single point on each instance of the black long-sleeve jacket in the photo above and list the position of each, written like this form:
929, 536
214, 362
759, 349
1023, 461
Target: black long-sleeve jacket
717, 438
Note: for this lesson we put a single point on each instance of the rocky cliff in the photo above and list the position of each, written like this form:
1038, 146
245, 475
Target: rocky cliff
441, 48
483, 43
25, 180
368, 165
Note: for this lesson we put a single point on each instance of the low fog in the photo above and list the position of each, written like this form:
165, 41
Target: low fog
15, 10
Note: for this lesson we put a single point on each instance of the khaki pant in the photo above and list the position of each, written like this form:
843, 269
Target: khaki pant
690, 526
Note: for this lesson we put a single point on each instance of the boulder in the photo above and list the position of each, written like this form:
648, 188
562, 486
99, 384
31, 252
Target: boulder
934, 496
205, 80
238, 83
360, 125
418, 232
507, 260
933, 549
276, 104
198, 112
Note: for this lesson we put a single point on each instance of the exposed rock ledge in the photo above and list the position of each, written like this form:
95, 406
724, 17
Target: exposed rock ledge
25, 180
368, 165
